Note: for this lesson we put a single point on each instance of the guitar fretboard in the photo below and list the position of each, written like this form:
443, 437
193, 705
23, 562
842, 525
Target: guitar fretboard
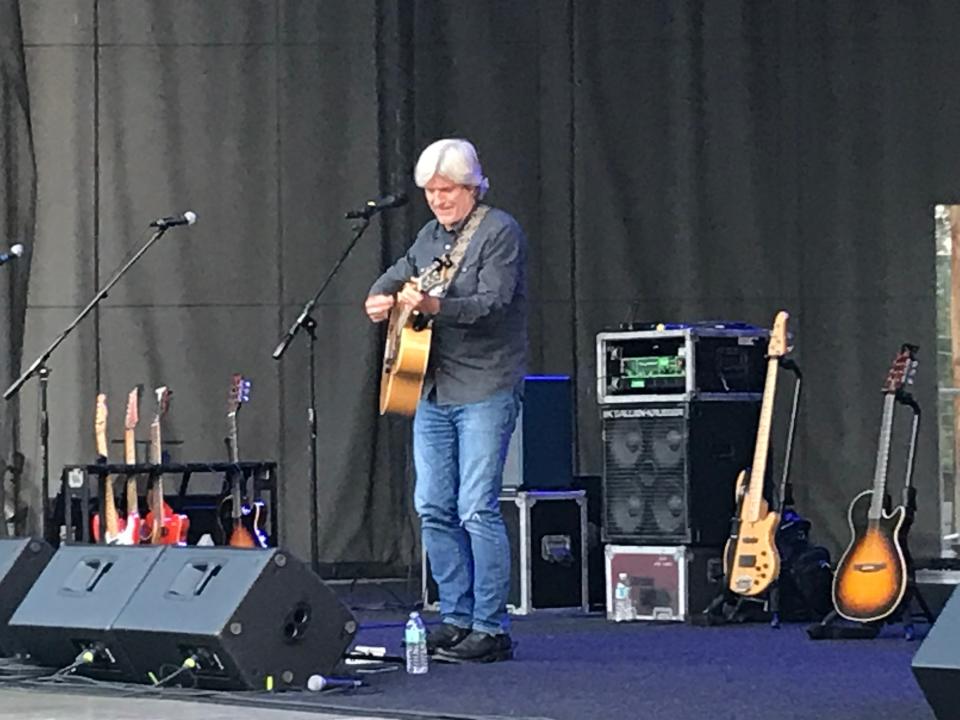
883, 459
760, 453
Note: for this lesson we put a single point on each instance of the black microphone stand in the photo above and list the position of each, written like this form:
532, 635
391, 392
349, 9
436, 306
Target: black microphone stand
39, 368
305, 320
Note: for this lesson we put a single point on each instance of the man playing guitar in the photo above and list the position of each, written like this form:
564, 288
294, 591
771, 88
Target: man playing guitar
471, 394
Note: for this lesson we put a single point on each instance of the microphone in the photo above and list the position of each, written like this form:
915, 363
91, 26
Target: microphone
188, 218
316, 683
12, 254
374, 206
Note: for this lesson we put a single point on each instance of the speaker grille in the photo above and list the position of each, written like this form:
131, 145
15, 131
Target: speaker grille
669, 469
645, 471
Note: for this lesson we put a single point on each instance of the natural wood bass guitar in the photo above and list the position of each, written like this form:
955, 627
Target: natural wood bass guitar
407, 350
751, 559
871, 578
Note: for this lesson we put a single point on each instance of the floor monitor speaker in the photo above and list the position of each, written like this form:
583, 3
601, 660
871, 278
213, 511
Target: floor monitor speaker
246, 619
72, 606
937, 663
21, 562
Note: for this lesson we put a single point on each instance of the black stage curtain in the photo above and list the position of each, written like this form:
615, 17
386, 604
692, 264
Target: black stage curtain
670, 161
17, 206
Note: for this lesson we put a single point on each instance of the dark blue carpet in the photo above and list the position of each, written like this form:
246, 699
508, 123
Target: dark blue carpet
574, 668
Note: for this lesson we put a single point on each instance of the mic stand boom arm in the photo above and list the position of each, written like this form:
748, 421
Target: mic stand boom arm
39, 367
305, 320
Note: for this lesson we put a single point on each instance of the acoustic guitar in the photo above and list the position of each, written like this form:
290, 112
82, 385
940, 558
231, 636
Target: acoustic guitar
751, 559
243, 523
165, 527
871, 577
407, 349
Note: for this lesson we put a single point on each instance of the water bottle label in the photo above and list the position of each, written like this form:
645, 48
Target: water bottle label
412, 636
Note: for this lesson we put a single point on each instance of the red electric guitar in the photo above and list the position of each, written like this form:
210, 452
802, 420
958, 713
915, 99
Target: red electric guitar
165, 527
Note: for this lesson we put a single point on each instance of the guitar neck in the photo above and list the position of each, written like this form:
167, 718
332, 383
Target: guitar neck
156, 453
883, 459
233, 437
129, 447
758, 470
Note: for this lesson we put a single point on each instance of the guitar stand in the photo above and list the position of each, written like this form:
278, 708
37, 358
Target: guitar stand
728, 607
719, 611
913, 605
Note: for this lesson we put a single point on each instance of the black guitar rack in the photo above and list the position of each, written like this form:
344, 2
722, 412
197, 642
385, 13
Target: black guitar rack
81, 483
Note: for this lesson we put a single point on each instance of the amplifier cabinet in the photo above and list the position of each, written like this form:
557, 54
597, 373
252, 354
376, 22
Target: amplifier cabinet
548, 537
669, 470
665, 582
681, 362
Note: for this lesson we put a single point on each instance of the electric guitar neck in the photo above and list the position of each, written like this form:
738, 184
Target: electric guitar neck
110, 516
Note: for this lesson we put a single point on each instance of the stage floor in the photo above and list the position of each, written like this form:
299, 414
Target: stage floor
576, 668
38, 704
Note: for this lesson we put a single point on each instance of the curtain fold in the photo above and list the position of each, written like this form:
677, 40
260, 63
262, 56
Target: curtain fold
18, 193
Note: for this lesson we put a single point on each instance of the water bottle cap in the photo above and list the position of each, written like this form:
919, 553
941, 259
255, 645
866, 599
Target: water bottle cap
414, 614
623, 576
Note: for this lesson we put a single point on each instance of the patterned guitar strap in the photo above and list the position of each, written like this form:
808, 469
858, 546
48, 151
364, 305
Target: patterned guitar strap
455, 256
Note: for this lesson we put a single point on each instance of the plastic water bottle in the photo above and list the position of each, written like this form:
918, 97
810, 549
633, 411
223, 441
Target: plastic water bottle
415, 640
622, 603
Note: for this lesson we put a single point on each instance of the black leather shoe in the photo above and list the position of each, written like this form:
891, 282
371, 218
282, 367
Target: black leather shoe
445, 637
478, 647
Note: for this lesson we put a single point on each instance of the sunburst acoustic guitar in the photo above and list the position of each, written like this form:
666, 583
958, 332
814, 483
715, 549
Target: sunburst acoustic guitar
407, 349
871, 578
751, 560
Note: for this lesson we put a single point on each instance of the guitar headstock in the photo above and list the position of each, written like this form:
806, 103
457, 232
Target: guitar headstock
100, 425
435, 275
239, 393
903, 370
133, 408
777, 346
162, 395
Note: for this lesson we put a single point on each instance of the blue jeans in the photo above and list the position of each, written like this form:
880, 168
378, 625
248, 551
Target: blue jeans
459, 452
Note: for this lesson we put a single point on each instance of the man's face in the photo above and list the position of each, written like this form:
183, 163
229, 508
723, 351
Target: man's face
449, 202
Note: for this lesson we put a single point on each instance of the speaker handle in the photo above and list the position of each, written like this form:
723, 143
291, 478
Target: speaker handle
86, 575
183, 584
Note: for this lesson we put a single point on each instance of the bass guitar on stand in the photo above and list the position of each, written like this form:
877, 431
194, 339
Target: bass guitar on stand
243, 524
751, 558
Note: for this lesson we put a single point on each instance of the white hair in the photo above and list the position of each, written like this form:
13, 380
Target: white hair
456, 160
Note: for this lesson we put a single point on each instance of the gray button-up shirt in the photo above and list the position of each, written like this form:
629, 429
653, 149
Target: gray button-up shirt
479, 344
